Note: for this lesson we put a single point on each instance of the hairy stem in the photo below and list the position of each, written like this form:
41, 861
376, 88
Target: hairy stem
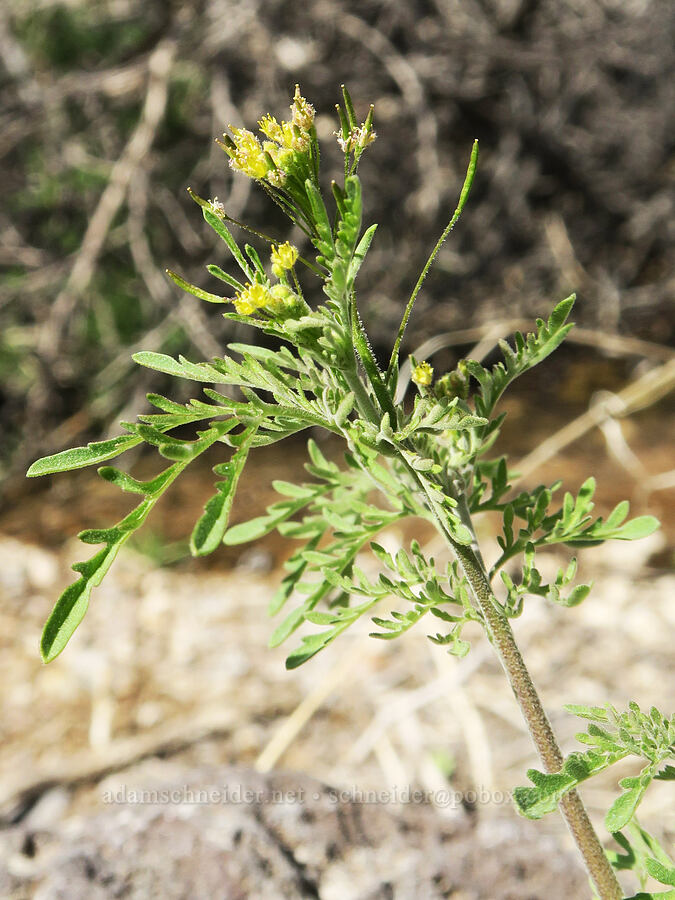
502, 639
363, 401
571, 806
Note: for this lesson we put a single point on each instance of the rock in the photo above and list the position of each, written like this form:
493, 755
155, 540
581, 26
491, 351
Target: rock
227, 833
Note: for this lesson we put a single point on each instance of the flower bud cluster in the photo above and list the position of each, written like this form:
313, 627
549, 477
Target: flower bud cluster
271, 159
454, 384
278, 301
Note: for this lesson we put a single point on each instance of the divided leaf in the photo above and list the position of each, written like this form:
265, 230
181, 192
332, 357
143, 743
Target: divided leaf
529, 352
209, 530
649, 736
72, 605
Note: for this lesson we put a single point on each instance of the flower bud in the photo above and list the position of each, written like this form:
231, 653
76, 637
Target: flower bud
283, 258
422, 374
454, 384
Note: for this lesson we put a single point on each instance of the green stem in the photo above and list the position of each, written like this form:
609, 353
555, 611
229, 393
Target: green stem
364, 403
466, 187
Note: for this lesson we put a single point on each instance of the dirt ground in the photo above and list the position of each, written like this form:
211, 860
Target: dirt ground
171, 665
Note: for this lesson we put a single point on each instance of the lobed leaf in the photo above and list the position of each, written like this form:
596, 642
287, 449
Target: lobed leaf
72, 605
209, 530
79, 457
180, 368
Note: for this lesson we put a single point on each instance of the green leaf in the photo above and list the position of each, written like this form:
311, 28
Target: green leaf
79, 457
217, 272
309, 647
349, 107
180, 368
464, 194
623, 809
72, 605
222, 231
288, 626
640, 527
209, 530
252, 254
248, 531
529, 352
576, 596
599, 531
549, 789
125, 482
261, 525
362, 345
360, 253
312, 644
664, 874
321, 221
196, 291
296, 565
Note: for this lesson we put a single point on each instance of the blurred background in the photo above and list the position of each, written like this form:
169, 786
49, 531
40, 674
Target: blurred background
108, 112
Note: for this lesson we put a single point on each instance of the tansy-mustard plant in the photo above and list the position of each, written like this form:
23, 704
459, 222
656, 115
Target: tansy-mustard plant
432, 458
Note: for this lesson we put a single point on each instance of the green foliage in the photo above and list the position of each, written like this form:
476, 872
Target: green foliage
645, 857
425, 459
72, 604
571, 524
529, 352
611, 736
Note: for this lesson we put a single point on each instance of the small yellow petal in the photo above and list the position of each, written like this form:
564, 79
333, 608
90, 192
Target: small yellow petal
422, 374
284, 256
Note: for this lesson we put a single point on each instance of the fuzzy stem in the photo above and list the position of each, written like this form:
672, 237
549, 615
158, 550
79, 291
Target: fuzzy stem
502, 639
363, 401
501, 636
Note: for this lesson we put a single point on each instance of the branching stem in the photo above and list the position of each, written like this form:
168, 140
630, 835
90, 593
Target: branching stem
502, 639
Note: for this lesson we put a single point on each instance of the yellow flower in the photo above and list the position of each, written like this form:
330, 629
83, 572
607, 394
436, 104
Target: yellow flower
271, 159
422, 374
283, 257
279, 300
271, 128
287, 135
303, 112
248, 156
254, 296
243, 305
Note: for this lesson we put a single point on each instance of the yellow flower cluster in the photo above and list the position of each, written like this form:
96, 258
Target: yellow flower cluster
422, 374
270, 158
283, 258
275, 300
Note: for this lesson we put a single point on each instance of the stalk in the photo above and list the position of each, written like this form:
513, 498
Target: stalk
502, 638
363, 401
